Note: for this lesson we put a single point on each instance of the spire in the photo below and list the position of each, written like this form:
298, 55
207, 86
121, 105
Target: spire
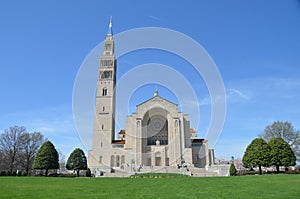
156, 93
109, 31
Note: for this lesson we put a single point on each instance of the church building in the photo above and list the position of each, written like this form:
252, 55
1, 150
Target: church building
157, 137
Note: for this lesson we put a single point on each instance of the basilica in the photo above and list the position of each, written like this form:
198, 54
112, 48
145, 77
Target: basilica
157, 137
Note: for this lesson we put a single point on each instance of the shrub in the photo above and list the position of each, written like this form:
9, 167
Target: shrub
275, 172
88, 173
159, 175
2, 173
24, 173
252, 172
293, 171
67, 175
8, 173
19, 173
14, 173
232, 170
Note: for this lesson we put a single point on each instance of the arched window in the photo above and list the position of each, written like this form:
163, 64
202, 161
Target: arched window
157, 130
104, 91
100, 159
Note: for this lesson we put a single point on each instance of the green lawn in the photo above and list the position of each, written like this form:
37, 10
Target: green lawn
268, 186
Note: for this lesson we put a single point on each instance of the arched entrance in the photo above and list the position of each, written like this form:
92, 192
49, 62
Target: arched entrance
157, 130
155, 126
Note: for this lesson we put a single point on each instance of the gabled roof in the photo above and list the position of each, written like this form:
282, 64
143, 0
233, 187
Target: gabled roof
155, 97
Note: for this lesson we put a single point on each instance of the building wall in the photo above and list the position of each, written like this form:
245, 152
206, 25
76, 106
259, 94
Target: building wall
178, 126
199, 154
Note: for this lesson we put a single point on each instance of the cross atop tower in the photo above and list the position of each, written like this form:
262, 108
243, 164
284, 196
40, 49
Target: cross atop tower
109, 43
109, 31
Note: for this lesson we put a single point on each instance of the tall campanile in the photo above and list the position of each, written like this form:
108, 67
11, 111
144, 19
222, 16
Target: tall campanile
104, 122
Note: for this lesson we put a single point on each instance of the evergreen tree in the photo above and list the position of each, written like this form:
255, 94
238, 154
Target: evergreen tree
232, 170
46, 158
257, 154
281, 153
77, 161
286, 131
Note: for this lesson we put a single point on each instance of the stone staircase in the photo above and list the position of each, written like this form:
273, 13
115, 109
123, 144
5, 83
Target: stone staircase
215, 170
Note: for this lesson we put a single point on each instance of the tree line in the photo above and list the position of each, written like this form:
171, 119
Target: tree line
277, 146
26, 151
18, 148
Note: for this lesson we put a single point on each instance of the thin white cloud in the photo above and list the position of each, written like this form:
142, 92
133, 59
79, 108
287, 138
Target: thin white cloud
205, 101
234, 93
154, 17
267, 86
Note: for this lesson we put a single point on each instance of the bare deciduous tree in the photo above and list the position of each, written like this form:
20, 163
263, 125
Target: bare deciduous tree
10, 145
31, 142
62, 160
18, 148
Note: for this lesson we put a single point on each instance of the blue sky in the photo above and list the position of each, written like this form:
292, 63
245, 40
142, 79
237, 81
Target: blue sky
255, 44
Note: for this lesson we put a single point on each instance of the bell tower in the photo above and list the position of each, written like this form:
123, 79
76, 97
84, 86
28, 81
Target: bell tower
104, 122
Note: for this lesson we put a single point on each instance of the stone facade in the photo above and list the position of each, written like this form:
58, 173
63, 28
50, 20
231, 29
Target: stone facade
157, 135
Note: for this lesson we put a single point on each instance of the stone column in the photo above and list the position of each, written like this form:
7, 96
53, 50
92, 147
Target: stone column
152, 156
163, 156
205, 143
138, 139
177, 143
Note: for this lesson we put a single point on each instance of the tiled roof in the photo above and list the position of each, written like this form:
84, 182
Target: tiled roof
192, 130
118, 142
198, 140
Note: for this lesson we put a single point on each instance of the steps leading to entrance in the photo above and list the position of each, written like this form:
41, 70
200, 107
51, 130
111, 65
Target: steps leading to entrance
215, 170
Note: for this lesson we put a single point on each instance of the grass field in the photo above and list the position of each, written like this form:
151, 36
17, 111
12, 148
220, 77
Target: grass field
267, 186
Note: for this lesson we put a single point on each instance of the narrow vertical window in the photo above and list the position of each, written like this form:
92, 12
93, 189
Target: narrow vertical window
104, 91
103, 108
123, 159
112, 161
102, 126
117, 161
